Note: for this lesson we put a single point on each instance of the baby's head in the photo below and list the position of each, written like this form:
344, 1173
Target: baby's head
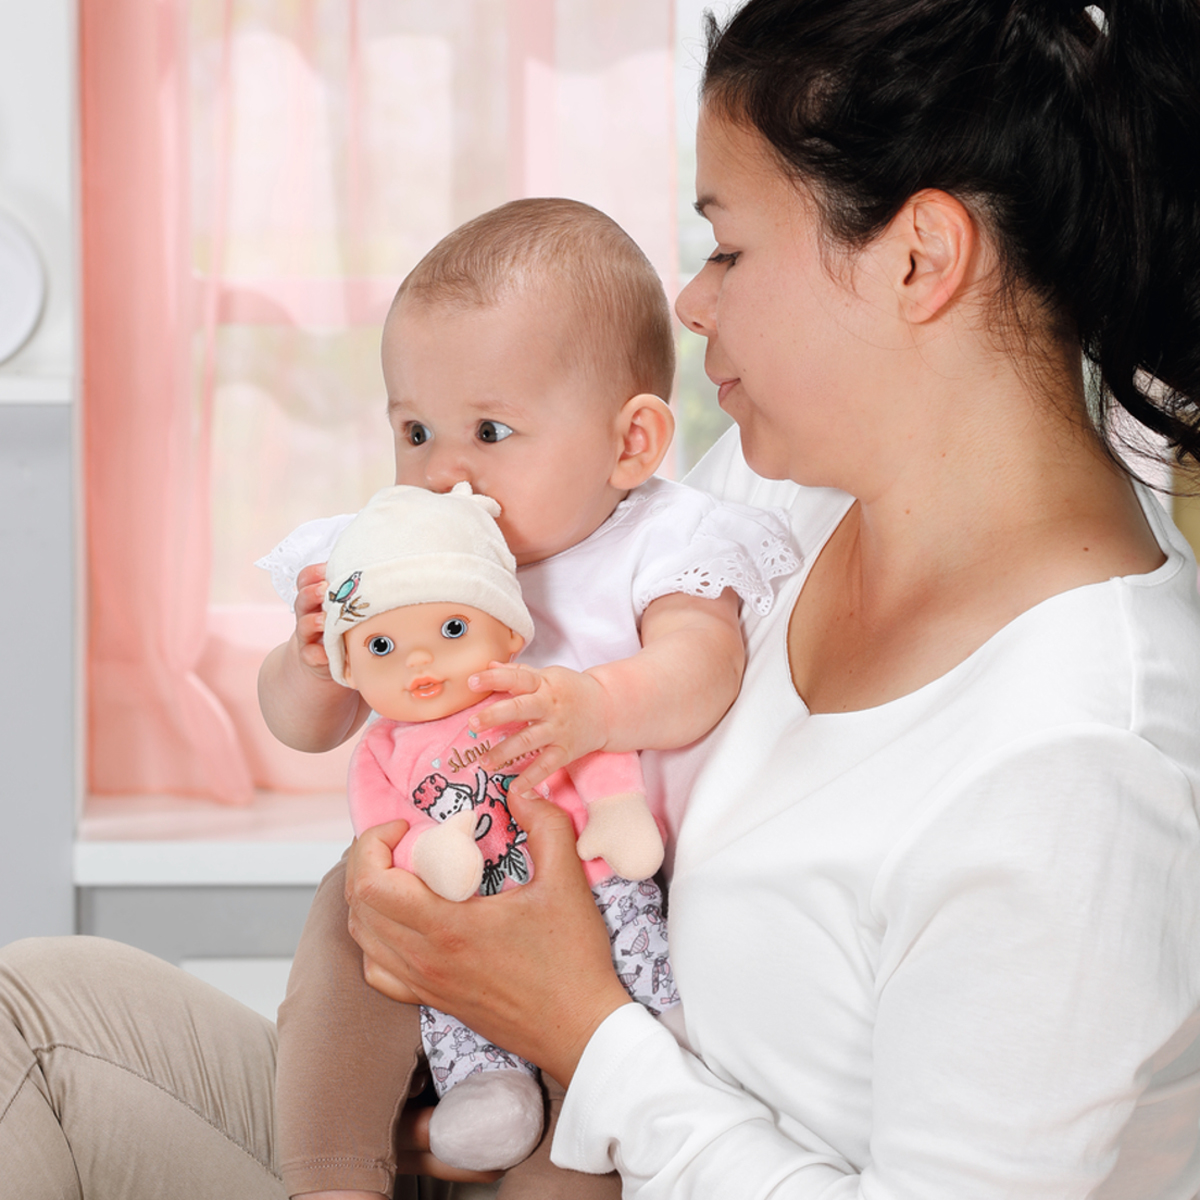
423, 594
530, 353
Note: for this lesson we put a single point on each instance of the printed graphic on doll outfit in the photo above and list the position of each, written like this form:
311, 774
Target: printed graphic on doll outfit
499, 838
354, 607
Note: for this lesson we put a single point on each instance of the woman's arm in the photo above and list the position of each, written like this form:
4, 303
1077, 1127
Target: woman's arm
673, 691
1032, 937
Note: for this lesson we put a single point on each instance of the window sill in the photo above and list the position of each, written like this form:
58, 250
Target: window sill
279, 840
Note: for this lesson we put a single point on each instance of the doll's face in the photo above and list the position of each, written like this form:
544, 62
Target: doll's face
413, 663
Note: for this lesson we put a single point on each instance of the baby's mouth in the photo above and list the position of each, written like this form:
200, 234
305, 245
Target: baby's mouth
425, 688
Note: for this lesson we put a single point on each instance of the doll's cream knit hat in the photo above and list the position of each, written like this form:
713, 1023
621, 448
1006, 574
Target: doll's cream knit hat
412, 546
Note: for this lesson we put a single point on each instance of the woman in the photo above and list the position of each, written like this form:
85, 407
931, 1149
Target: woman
937, 888
937, 892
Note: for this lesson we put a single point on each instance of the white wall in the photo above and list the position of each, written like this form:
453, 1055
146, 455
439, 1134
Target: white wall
38, 610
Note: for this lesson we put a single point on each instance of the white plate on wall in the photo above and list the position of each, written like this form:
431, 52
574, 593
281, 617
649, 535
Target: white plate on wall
22, 287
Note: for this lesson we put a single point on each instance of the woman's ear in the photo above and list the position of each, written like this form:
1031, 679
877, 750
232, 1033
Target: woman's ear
938, 239
645, 426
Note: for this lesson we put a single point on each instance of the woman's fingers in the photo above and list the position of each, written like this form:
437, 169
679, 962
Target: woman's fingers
385, 982
371, 852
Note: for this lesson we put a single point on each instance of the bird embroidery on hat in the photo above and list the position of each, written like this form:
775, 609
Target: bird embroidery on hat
353, 607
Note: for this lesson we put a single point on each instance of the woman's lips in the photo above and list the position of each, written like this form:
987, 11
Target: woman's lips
724, 388
425, 688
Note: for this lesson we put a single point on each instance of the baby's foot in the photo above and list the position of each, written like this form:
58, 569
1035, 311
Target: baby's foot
489, 1122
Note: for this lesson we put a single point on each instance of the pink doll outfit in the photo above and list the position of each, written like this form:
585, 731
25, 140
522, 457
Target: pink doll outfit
429, 771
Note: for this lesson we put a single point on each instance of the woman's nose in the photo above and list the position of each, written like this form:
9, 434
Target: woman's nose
696, 304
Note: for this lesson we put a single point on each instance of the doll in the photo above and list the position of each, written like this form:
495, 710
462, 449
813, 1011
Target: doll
424, 594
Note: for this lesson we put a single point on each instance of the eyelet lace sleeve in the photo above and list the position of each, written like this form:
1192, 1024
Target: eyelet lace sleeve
308, 543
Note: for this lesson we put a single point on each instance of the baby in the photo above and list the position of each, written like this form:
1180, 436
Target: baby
525, 355
425, 596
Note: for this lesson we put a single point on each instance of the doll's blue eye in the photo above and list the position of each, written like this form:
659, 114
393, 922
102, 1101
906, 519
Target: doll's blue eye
492, 431
380, 645
454, 628
417, 433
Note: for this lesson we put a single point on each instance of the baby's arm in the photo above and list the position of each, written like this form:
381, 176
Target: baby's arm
300, 702
673, 691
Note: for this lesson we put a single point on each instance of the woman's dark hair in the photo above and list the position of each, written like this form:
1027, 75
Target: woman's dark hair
1072, 133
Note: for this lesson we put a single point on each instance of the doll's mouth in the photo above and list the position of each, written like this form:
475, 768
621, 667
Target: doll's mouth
425, 688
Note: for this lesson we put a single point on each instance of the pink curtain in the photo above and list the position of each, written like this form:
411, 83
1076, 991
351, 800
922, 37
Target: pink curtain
258, 175
154, 726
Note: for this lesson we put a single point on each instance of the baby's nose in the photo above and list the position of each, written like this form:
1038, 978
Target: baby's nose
444, 470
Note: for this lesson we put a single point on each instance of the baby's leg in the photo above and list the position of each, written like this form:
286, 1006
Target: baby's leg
489, 1114
637, 931
472, 1072
347, 1059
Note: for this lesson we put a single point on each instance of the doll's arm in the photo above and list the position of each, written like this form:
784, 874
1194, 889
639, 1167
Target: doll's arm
673, 691
619, 826
300, 703
444, 854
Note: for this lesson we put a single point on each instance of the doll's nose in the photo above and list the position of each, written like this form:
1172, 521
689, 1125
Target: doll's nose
418, 657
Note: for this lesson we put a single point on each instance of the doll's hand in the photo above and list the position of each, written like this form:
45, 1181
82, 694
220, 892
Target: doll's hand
310, 619
566, 711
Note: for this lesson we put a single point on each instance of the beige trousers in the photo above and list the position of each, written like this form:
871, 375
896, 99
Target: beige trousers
124, 1078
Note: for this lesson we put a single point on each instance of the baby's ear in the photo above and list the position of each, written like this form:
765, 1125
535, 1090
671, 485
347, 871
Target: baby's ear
645, 427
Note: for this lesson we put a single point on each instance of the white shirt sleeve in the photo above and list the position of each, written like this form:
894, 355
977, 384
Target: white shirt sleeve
1036, 997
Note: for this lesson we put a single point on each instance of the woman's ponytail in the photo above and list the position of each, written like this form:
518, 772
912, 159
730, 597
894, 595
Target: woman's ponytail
1145, 341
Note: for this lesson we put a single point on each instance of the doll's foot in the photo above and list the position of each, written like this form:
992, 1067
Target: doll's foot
489, 1122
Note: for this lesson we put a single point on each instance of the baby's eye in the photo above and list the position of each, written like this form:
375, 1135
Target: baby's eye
380, 645
492, 431
417, 434
456, 627
722, 259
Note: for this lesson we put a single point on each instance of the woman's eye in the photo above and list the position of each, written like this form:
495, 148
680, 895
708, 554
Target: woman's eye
492, 431
721, 259
380, 645
417, 434
454, 628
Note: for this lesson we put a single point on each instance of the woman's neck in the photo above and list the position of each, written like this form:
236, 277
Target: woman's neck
999, 499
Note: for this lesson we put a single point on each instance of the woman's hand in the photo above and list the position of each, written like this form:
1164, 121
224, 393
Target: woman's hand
529, 969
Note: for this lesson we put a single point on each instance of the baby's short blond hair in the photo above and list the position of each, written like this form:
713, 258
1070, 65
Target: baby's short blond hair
616, 321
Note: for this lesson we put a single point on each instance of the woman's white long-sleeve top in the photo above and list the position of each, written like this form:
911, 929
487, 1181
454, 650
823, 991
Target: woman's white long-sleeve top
947, 948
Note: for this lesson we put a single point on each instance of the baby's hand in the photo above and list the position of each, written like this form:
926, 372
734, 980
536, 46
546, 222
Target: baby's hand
310, 619
566, 711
